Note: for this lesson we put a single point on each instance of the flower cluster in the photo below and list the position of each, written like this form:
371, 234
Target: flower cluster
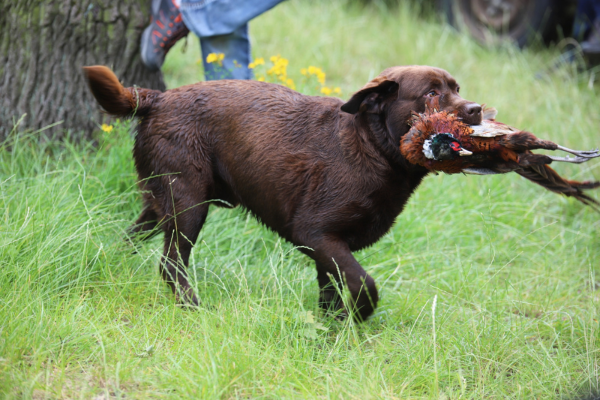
277, 72
279, 67
328, 91
318, 72
215, 58
256, 63
106, 128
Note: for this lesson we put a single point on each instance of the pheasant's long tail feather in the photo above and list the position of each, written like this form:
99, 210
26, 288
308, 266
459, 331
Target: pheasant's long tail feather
545, 176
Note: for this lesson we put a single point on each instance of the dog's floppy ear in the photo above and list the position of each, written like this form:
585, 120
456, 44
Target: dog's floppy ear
372, 97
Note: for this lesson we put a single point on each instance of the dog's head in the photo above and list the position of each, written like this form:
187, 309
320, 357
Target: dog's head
399, 91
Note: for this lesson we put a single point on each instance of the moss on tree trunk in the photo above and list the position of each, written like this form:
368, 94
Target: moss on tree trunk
44, 44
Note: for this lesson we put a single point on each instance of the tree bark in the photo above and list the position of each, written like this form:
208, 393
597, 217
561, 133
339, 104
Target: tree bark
44, 44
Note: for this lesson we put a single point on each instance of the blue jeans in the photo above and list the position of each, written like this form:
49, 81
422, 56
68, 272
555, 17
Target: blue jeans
222, 26
587, 12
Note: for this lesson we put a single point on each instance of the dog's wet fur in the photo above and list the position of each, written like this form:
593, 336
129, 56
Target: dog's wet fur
326, 175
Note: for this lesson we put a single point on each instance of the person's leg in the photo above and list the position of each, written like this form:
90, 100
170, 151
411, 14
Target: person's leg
587, 27
222, 26
591, 45
235, 47
165, 29
588, 12
596, 6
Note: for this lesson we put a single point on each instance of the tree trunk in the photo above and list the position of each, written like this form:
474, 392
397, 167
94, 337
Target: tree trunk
44, 44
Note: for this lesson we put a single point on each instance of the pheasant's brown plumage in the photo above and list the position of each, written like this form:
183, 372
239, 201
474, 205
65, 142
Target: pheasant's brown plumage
490, 148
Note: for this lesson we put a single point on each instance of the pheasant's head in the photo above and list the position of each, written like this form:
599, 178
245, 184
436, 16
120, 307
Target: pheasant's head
435, 141
443, 146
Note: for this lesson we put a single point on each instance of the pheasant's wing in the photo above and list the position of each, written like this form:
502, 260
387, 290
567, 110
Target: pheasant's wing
489, 112
489, 128
545, 176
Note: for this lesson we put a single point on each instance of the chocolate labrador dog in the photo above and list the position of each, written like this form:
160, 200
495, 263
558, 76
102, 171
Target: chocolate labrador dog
326, 175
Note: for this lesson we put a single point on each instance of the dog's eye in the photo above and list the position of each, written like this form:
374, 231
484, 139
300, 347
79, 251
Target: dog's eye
432, 93
458, 89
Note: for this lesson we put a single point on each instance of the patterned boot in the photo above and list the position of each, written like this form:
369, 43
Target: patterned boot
165, 29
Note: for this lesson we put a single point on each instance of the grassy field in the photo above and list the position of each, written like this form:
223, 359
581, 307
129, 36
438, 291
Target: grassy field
488, 284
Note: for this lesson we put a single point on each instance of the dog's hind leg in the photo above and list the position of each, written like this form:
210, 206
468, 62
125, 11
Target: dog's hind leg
145, 226
181, 232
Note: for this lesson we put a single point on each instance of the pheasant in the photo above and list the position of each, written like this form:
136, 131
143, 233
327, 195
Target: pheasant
440, 141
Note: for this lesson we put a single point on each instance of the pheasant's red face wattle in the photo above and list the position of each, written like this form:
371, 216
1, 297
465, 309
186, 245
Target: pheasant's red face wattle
455, 146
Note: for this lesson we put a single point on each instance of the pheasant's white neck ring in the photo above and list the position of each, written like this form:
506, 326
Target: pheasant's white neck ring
427, 149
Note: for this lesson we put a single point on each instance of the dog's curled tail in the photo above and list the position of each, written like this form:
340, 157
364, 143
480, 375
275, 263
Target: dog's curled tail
116, 99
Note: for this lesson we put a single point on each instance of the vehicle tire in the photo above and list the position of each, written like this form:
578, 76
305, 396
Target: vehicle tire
490, 21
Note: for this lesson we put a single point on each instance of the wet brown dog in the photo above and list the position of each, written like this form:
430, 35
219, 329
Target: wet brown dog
326, 175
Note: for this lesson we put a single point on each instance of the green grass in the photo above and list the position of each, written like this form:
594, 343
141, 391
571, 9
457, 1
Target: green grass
84, 313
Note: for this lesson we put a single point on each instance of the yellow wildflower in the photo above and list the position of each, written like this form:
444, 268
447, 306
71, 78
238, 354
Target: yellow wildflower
337, 90
215, 57
290, 83
326, 91
211, 58
321, 77
106, 128
279, 67
257, 61
261, 79
318, 72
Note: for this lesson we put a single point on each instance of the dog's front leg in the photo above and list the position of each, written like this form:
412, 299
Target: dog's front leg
336, 265
330, 289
